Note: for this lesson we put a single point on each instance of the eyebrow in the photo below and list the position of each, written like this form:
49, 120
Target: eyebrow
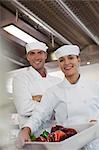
66, 56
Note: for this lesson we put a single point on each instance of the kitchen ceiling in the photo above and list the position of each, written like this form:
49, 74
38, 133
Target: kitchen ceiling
69, 22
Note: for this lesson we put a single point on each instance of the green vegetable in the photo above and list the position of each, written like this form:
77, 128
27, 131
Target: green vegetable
45, 134
33, 137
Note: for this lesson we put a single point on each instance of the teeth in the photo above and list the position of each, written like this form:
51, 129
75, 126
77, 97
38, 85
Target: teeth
37, 62
67, 68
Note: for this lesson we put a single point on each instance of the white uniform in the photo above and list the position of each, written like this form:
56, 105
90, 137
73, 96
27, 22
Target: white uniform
27, 83
74, 103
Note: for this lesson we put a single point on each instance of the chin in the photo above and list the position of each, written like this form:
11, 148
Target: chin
68, 73
36, 66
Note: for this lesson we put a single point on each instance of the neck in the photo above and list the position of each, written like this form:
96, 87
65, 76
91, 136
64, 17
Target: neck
42, 72
73, 79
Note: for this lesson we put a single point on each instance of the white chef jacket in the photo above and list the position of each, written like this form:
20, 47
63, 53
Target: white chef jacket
27, 83
75, 103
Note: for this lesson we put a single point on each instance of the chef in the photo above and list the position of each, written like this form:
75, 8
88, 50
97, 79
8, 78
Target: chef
75, 100
31, 82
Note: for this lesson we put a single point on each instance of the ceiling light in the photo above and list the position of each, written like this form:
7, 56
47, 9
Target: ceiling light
53, 57
19, 34
88, 62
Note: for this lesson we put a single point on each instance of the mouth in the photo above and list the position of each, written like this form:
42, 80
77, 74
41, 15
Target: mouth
67, 68
37, 62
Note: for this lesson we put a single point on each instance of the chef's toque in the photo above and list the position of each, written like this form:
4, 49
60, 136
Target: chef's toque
36, 45
67, 50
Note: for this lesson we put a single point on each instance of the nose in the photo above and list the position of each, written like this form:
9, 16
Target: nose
37, 56
66, 60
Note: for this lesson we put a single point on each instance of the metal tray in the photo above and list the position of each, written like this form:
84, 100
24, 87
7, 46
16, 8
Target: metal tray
86, 133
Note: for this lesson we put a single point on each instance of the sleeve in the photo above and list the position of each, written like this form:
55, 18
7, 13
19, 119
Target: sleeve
43, 112
97, 102
22, 96
94, 104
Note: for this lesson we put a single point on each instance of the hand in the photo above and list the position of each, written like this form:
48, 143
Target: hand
37, 98
24, 136
93, 121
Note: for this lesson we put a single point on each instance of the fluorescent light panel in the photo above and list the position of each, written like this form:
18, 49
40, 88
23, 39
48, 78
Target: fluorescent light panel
53, 57
19, 34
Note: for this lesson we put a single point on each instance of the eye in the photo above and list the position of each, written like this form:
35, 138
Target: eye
40, 52
31, 53
61, 59
70, 57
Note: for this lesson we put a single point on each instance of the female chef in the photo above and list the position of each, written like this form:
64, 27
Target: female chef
75, 100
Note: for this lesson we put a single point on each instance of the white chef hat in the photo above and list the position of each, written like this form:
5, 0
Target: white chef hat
36, 45
67, 50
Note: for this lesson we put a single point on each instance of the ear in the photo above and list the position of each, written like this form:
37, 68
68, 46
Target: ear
27, 56
79, 60
45, 55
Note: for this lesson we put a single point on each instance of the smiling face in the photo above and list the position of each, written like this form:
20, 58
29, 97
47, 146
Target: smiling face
37, 58
69, 65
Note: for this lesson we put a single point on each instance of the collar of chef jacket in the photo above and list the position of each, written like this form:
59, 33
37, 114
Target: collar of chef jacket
35, 73
68, 85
